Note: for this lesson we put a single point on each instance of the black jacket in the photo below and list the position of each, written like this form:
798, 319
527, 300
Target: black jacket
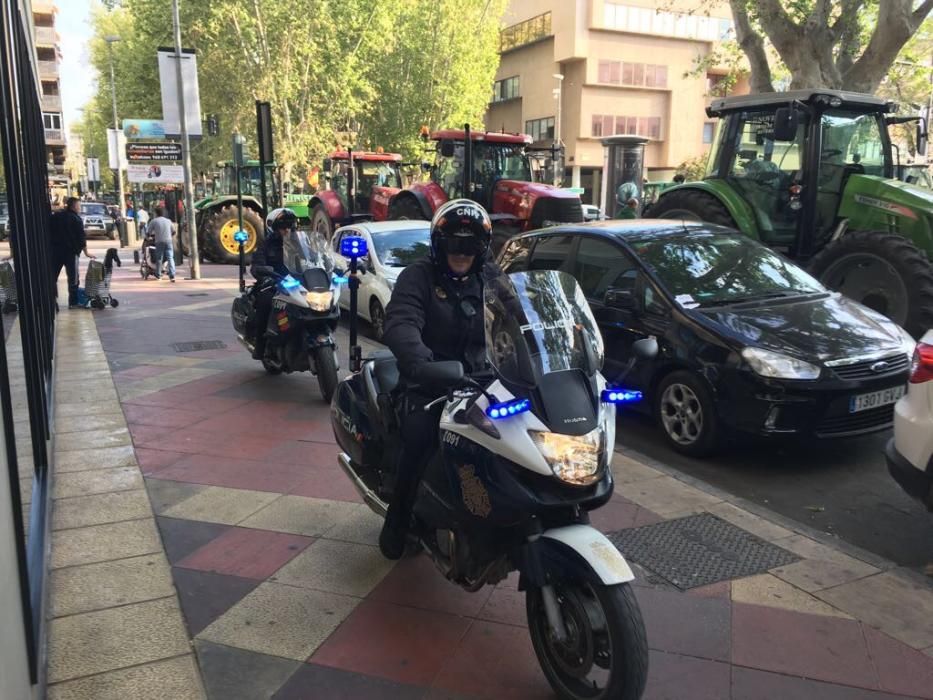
429, 318
270, 253
67, 232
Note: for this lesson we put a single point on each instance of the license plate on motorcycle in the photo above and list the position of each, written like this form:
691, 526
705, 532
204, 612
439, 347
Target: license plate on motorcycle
864, 402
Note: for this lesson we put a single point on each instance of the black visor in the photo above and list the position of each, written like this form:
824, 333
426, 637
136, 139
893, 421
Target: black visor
462, 245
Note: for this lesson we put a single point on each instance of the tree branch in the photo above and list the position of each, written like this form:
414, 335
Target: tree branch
921, 13
894, 27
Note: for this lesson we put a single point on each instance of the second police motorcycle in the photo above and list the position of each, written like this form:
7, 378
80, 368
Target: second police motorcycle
305, 312
524, 454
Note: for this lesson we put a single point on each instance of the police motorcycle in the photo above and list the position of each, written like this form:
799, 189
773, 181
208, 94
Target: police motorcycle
523, 456
305, 312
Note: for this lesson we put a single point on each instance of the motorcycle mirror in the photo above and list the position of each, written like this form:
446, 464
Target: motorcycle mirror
646, 348
442, 375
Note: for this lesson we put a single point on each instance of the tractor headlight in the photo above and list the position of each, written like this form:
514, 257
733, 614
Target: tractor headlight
572, 458
778, 366
320, 301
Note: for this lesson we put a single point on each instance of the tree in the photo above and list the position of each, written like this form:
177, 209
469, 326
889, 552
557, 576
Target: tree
843, 44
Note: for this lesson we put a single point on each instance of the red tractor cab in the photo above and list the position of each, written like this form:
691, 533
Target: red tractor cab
494, 170
372, 177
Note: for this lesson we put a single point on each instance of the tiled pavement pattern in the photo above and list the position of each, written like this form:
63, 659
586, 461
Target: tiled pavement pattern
284, 594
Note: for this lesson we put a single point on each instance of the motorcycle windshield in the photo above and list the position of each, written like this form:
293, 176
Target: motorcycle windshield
539, 322
302, 252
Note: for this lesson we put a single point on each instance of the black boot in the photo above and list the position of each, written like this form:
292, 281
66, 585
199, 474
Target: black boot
394, 532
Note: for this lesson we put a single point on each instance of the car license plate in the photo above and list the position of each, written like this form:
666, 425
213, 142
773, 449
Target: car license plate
864, 402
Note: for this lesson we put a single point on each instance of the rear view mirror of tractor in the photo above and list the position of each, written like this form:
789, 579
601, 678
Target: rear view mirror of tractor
922, 136
447, 148
786, 121
328, 165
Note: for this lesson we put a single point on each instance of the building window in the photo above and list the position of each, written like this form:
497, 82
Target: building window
608, 125
634, 74
505, 89
49, 89
525, 32
540, 129
52, 120
709, 130
646, 20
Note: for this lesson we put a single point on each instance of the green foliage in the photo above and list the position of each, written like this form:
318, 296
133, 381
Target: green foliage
379, 70
694, 168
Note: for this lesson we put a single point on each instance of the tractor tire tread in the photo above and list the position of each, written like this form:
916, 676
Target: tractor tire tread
703, 204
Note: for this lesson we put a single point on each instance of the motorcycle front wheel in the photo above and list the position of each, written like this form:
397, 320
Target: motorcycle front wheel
325, 361
604, 654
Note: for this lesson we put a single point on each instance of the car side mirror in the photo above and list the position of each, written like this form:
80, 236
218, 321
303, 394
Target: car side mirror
621, 299
328, 165
646, 348
786, 121
447, 148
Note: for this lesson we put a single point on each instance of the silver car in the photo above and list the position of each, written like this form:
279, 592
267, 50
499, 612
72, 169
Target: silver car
97, 220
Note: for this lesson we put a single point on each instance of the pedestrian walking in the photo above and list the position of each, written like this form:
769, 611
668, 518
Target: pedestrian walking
161, 230
68, 241
624, 194
142, 219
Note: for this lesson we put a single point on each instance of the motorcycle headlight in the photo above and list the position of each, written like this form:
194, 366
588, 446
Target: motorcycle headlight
777, 366
320, 301
572, 458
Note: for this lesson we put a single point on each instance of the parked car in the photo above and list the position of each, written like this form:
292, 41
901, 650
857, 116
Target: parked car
749, 341
393, 245
98, 220
592, 213
910, 452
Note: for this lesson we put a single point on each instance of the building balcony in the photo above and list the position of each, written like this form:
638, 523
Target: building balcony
43, 7
51, 103
54, 137
47, 69
47, 36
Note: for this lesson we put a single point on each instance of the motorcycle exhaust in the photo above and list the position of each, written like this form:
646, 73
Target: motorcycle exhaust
246, 344
376, 504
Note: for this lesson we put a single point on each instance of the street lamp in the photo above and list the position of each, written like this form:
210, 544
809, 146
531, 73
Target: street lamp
110, 39
557, 140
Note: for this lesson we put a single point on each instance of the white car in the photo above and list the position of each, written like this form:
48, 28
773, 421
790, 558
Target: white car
393, 245
910, 452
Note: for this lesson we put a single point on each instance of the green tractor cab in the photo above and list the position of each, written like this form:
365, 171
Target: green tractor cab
217, 214
812, 173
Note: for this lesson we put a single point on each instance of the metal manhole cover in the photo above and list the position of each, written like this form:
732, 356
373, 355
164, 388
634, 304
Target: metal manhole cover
699, 550
196, 345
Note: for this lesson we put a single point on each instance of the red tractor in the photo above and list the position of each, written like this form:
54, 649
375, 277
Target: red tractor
373, 178
494, 170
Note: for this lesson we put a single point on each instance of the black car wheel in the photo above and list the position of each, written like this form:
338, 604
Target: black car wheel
686, 415
377, 317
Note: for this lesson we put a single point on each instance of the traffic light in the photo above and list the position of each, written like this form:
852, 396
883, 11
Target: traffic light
213, 125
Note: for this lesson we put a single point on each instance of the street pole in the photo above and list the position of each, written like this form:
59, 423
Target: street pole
558, 161
116, 146
185, 152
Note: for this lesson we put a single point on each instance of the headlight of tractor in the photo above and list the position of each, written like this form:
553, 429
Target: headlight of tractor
320, 301
572, 458
777, 366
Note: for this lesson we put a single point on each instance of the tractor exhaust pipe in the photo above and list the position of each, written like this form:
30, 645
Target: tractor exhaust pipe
467, 163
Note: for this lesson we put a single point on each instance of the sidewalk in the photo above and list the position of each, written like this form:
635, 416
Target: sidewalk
283, 594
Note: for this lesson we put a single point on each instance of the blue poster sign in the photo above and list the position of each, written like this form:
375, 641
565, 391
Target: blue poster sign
143, 129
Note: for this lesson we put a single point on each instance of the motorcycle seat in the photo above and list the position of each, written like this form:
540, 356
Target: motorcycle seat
385, 372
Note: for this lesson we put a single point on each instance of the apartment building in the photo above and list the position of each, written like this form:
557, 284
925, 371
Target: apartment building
48, 54
619, 68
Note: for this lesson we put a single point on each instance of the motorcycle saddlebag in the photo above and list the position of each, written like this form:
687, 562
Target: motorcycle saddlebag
354, 428
243, 316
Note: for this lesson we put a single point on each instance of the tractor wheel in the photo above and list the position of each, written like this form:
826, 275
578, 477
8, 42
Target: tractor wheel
692, 205
406, 208
220, 228
885, 272
321, 223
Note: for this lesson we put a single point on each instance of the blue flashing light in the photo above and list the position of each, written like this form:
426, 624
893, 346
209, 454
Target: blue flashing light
241, 236
289, 284
353, 247
340, 280
621, 396
508, 408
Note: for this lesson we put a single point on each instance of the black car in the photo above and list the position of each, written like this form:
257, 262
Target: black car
749, 341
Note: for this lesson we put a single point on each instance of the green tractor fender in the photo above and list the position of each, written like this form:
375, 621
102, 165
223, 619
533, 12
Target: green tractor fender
680, 197
871, 203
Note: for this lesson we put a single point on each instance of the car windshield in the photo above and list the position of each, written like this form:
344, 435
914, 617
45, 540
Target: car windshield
402, 248
539, 322
716, 268
94, 209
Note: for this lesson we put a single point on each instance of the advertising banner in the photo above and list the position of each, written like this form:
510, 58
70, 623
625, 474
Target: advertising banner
169, 84
153, 152
116, 145
93, 170
143, 129
155, 174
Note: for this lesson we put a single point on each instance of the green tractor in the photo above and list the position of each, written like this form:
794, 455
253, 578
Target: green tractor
811, 173
217, 216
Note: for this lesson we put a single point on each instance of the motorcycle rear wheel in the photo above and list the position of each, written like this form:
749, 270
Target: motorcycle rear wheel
325, 362
605, 653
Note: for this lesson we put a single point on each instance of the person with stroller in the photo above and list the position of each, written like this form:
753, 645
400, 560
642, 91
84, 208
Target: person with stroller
160, 229
68, 241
